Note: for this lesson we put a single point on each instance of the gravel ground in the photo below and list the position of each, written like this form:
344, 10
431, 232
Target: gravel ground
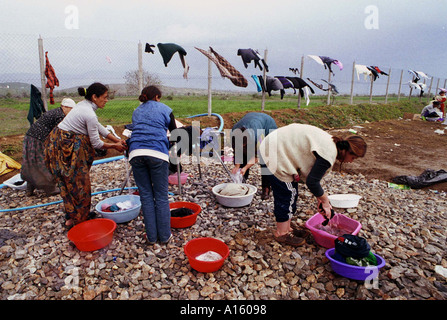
406, 227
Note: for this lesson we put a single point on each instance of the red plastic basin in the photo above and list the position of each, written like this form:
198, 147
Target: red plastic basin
92, 234
326, 239
198, 246
184, 222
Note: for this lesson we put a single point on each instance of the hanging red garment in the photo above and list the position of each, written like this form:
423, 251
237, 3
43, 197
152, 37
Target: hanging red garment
52, 80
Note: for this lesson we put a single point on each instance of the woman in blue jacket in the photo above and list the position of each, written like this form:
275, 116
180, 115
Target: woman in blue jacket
149, 157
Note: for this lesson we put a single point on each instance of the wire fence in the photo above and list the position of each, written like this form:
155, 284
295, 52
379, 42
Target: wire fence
82, 61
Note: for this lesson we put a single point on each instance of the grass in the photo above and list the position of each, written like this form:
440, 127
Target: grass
118, 111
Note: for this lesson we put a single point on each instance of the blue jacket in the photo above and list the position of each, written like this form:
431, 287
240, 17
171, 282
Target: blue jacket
150, 123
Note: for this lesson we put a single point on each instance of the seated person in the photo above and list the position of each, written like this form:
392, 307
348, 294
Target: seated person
432, 112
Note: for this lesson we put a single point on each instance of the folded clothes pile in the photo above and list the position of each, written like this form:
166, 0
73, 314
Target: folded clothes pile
119, 206
354, 250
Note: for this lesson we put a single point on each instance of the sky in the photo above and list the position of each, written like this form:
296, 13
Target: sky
399, 34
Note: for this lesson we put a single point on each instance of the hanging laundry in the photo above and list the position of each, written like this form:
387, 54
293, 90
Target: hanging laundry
52, 80
326, 62
294, 70
36, 107
417, 75
109, 60
286, 83
249, 55
225, 68
148, 48
417, 86
379, 71
272, 84
362, 69
303, 87
374, 73
167, 50
331, 86
257, 82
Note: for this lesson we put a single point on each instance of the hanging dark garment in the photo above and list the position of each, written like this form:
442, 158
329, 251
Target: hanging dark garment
36, 107
167, 50
299, 84
249, 55
148, 48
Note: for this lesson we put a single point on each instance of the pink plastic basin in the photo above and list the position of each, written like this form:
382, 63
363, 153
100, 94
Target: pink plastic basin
173, 178
325, 239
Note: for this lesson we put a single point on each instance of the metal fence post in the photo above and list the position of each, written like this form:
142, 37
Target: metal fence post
42, 72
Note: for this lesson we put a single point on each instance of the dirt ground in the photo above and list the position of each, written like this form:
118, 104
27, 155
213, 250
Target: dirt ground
395, 147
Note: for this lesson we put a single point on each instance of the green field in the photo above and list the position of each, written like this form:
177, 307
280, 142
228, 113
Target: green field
118, 111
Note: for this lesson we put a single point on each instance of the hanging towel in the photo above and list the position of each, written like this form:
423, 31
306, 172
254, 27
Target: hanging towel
36, 107
362, 69
52, 80
225, 68
167, 50
249, 55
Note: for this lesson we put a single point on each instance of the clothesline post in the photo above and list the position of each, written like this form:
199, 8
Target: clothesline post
400, 84
352, 83
371, 88
429, 88
411, 90
209, 87
264, 78
301, 75
387, 85
42, 72
140, 67
329, 91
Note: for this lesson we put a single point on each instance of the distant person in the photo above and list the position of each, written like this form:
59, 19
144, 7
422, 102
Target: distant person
149, 157
302, 152
432, 112
441, 97
71, 148
34, 171
251, 129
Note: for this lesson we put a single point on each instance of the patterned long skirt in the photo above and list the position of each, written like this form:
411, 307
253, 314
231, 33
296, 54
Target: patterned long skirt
34, 171
69, 157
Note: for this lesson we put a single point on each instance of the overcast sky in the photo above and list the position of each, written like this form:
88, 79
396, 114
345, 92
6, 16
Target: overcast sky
399, 33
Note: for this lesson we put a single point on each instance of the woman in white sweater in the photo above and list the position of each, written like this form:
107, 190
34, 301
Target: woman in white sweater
70, 152
302, 152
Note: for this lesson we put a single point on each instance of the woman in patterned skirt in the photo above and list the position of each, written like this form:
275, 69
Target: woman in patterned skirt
34, 171
71, 148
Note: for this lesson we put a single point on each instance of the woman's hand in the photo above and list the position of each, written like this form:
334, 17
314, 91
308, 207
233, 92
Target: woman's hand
120, 146
324, 206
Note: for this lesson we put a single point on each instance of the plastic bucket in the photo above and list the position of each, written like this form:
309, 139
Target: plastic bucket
124, 215
93, 234
326, 239
187, 221
355, 272
173, 178
198, 246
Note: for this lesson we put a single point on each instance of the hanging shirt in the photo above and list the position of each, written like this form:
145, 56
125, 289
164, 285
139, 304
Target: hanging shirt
249, 55
167, 50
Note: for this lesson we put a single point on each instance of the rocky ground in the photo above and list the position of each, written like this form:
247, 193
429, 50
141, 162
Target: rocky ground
406, 227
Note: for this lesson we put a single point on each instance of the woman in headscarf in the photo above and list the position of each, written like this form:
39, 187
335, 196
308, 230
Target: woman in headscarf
71, 148
34, 171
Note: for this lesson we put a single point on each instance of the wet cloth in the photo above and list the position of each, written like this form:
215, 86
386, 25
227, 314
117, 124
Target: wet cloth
225, 68
52, 80
425, 179
69, 157
36, 107
354, 250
